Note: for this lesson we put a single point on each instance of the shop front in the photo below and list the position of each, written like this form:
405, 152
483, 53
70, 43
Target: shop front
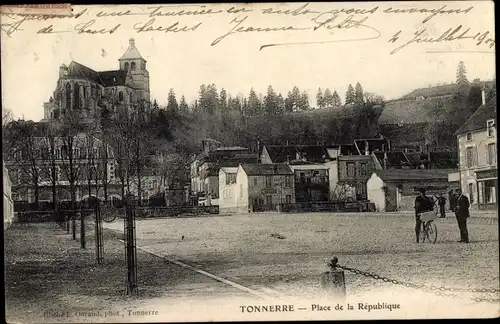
487, 189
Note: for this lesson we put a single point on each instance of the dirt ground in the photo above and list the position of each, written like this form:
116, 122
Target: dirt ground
281, 255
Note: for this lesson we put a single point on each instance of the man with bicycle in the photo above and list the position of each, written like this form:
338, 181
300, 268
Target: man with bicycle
422, 204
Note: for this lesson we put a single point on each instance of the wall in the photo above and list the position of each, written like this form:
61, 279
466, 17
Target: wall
376, 194
333, 176
278, 191
8, 204
264, 157
228, 193
479, 143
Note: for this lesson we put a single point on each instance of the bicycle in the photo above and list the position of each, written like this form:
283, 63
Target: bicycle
429, 229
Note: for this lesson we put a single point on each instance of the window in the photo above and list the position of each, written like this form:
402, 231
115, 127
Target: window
154, 183
490, 124
255, 182
364, 169
469, 136
288, 181
126, 65
76, 96
83, 96
469, 156
132, 66
471, 193
269, 182
120, 96
288, 199
230, 178
351, 170
68, 96
492, 154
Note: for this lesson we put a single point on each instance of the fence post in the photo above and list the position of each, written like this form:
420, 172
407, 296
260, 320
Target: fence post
73, 222
333, 281
99, 249
130, 246
82, 227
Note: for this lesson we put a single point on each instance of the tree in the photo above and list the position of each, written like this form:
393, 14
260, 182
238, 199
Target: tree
461, 74
358, 94
271, 102
51, 171
321, 102
183, 106
223, 101
336, 101
328, 99
155, 105
373, 99
172, 102
254, 103
303, 102
350, 95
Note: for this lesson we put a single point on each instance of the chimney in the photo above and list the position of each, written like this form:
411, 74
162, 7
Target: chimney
366, 148
483, 96
297, 156
385, 161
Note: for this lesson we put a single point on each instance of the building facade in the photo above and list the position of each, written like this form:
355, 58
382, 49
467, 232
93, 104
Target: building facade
255, 188
311, 182
8, 203
86, 92
396, 190
477, 145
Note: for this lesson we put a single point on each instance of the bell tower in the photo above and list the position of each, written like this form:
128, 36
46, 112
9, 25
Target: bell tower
133, 62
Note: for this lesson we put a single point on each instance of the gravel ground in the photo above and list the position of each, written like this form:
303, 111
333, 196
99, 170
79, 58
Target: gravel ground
288, 252
46, 272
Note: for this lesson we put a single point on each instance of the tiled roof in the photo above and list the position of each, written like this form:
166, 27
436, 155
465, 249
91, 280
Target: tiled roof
394, 159
478, 119
267, 169
285, 153
105, 78
414, 174
229, 169
112, 78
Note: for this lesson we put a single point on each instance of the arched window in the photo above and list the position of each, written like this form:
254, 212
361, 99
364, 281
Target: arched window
68, 96
132, 66
120, 96
126, 66
83, 96
76, 97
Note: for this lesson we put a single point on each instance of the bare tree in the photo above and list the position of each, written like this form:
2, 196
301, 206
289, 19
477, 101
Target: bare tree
52, 153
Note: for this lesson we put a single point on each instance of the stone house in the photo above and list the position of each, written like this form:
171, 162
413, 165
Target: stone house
396, 190
255, 187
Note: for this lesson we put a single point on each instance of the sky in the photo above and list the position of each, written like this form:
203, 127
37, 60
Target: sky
185, 60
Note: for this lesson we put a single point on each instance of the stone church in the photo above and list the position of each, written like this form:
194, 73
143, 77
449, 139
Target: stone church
88, 92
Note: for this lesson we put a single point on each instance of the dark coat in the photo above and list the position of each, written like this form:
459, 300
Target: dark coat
462, 207
441, 201
423, 204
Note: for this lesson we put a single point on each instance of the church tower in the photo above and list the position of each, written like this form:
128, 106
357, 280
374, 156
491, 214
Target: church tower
132, 61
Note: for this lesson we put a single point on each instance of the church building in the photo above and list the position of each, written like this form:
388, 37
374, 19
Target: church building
88, 92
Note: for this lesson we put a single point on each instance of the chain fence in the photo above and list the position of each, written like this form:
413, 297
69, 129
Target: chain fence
440, 291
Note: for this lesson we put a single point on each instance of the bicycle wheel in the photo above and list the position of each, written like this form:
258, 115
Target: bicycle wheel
431, 232
108, 214
423, 233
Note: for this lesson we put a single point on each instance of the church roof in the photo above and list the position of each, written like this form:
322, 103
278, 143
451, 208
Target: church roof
111, 78
131, 52
104, 78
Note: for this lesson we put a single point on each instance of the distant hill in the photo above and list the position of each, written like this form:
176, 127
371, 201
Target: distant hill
411, 108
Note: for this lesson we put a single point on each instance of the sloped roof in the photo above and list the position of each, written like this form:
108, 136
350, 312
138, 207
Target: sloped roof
231, 148
131, 52
414, 174
478, 119
230, 169
394, 159
285, 153
112, 78
104, 78
267, 169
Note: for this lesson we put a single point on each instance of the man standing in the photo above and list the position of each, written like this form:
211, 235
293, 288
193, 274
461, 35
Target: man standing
462, 213
442, 204
422, 204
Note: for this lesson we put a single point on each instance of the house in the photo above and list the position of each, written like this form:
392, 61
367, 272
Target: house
255, 187
396, 189
205, 169
287, 153
478, 157
8, 203
311, 181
